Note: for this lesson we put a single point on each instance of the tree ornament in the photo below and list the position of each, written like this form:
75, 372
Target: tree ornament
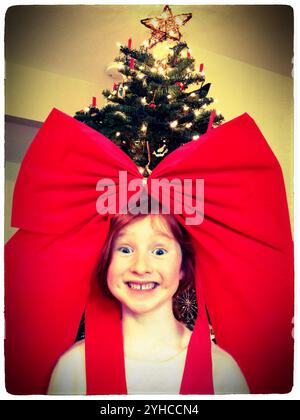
152, 105
181, 85
211, 119
186, 303
121, 91
161, 151
204, 90
165, 26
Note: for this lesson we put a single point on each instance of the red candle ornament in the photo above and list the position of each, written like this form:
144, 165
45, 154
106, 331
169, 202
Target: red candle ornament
94, 101
201, 67
115, 86
188, 54
129, 42
132, 64
211, 119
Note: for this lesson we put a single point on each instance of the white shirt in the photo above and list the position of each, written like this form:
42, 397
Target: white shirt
155, 377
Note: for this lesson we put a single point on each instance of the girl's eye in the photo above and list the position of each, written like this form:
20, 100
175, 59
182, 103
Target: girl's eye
125, 249
160, 251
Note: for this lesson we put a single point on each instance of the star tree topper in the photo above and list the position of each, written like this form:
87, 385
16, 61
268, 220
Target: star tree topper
165, 26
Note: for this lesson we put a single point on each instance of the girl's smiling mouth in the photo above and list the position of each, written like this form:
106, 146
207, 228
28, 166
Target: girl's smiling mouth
145, 286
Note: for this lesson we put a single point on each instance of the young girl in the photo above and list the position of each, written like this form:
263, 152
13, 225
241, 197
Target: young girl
146, 261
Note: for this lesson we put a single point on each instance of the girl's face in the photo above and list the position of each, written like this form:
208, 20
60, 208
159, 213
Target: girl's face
145, 267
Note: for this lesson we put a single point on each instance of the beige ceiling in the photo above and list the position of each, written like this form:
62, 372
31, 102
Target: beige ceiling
80, 41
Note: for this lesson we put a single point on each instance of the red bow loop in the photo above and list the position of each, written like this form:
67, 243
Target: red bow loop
55, 190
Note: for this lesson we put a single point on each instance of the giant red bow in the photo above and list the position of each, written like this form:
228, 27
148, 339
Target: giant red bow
244, 255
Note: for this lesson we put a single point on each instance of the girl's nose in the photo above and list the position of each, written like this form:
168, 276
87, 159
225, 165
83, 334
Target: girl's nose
141, 264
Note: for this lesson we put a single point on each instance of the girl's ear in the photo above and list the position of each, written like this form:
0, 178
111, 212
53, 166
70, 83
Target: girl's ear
181, 275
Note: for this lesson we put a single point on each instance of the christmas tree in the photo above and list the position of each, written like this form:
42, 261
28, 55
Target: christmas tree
160, 104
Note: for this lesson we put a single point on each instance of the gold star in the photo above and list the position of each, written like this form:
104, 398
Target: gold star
165, 26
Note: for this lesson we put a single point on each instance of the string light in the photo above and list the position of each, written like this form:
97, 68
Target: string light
197, 112
196, 137
140, 76
144, 128
188, 125
118, 133
186, 108
144, 101
169, 96
193, 94
174, 124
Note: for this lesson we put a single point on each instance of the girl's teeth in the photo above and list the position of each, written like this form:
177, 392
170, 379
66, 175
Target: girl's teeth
146, 286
